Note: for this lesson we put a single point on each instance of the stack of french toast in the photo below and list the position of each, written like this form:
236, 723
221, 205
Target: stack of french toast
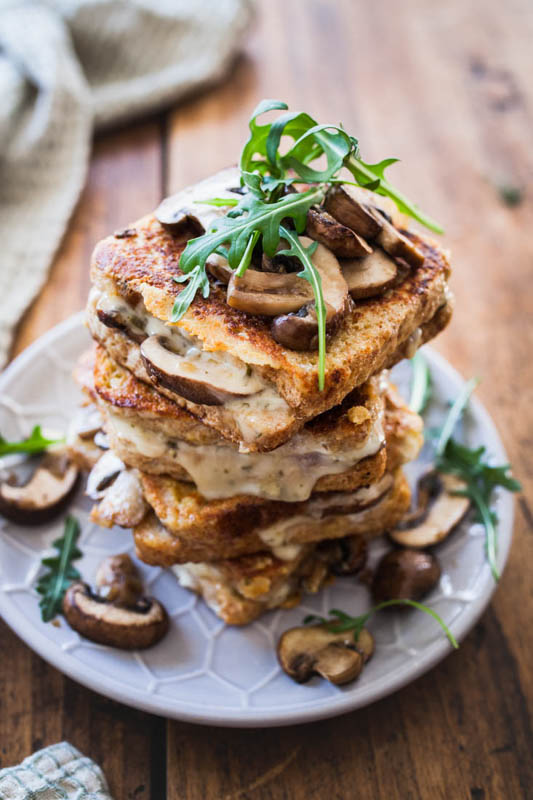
215, 438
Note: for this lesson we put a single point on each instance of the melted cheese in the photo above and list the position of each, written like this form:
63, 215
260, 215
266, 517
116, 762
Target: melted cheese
280, 533
288, 473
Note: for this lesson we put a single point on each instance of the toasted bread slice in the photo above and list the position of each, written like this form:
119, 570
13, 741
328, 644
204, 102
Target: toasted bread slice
340, 450
367, 512
239, 590
135, 275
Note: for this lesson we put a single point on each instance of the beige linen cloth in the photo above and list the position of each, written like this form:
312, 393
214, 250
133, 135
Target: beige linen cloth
67, 66
58, 771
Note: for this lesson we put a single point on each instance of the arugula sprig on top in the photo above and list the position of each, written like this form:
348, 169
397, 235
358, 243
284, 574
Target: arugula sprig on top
267, 211
469, 464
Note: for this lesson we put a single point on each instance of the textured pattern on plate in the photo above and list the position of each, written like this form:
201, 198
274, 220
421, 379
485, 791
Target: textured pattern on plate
204, 671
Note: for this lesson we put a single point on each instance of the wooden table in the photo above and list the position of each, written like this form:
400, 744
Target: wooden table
447, 88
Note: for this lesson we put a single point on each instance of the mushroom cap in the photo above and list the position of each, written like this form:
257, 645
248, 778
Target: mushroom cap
118, 581
126, 628
405, 575
45, 494
314, 650
439, 511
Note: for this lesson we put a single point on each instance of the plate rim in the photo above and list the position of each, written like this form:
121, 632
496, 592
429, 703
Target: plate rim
255, 717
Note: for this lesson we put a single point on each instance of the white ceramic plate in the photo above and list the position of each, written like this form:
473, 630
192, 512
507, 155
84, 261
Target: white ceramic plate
204, 671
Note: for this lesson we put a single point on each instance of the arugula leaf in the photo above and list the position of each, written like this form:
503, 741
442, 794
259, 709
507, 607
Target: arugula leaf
455, 414
236, 228
53, 585
197, 281
420, 384
35, 443
372, 176
339, 621
311, 274
481, 478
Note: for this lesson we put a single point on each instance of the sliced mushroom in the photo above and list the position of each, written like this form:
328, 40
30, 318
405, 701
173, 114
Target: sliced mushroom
219, 268
210, 385
299, 331
96, 619
118, 581
122, 502
345, 556
101, 440
44, 495
268, 293
184, 215
102, 475
438, 511
353, 206
119, 320
347, 205
397, 244
313, 650
370, 276
405, 575
342, 241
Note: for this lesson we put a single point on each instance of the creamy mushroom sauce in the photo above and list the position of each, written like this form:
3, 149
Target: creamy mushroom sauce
262, 398
288, 473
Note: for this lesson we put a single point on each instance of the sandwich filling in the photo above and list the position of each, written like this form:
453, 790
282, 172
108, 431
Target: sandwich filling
288, 473
175, 361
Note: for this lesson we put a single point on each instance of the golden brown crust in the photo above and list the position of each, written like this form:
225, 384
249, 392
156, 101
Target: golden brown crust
157, 545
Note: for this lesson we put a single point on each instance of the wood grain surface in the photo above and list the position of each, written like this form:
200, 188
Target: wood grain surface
447, 88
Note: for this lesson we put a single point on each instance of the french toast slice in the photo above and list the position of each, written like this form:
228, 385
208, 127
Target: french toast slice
133, 293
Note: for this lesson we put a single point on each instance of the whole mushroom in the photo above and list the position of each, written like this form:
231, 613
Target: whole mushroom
405, 575
314, 650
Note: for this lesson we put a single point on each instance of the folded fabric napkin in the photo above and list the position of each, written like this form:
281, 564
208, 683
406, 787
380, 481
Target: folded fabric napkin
58, 771
65, 67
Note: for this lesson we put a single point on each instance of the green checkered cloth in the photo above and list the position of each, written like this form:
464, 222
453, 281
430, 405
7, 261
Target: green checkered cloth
59, 772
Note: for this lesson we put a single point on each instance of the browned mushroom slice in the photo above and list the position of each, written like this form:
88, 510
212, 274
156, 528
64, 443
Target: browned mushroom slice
396, 244
438, 511
342, 241
268, 293
117, 319
346, 204
210, 383
354, 207
313, 650
299, 331
219, 268
135, 628
44, 495
405, 575
370, 276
